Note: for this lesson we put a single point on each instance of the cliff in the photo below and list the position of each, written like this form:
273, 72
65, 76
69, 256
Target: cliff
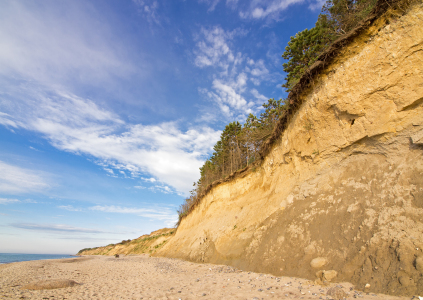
148, 243
339, 194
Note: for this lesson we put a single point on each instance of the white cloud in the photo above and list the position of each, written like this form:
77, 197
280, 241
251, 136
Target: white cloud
234, 73
317, 5
266, 9
8, 201
149, 8
161, 188
108, 170
213, 47
259, 69
80, 126
212, 3
55, 228
43, 52
261, 98
152, 179
35, 149
166, 214
50, 44
255, 81
5, 120
228, 95
232, 3
17, 180
46, 47
69, 208
260, 9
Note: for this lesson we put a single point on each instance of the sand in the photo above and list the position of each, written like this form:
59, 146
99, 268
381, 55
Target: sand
144, 277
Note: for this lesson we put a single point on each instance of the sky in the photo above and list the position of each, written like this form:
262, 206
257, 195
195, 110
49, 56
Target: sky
109, 108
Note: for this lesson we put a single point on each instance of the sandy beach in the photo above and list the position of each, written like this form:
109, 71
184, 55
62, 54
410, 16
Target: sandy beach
144, 277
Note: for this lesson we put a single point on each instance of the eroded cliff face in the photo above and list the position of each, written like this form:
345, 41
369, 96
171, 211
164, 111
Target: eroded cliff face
340, 195
148, 243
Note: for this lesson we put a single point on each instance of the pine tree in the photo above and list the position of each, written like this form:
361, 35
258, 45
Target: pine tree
337, 18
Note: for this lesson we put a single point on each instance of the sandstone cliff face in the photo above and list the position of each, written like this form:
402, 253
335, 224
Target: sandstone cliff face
148, 243
340, 195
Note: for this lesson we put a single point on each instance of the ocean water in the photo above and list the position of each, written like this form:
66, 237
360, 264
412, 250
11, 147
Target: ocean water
6, 258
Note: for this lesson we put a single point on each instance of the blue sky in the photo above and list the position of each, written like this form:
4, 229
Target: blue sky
109, 108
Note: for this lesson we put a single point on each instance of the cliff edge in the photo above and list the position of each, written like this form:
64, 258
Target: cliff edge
147, 243
339, 195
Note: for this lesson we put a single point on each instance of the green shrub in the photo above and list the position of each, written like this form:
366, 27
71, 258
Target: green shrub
85, 249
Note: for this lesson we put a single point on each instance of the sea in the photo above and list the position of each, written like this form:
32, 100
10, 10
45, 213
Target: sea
6, 258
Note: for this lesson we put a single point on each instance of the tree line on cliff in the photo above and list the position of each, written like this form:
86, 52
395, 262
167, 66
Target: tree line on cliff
239, 145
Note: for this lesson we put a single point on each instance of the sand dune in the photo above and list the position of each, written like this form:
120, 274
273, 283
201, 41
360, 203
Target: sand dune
144, 277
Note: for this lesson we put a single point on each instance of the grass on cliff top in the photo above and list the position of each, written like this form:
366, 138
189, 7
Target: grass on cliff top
140, 245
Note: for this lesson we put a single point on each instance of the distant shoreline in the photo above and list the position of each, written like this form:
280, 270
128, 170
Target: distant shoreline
7, 258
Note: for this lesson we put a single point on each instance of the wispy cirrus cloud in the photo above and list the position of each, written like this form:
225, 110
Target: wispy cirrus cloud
17, 180
316, 4
11, 201
41, 56
149, 9
49, 43
260, 98
161, 188
8, 201
211, 3
80, 126
55, 228
267, 10
166, 214
69, 208
5, 120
